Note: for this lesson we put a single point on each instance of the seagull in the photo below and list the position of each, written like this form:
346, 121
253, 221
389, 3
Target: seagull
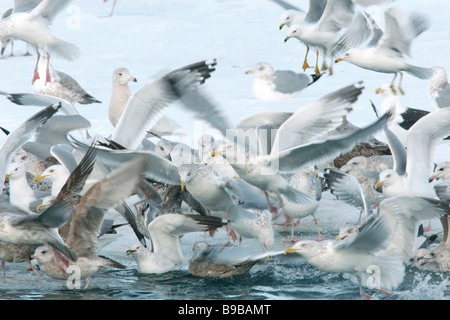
19, 6
357, 256
439, 88
404, 117
86, 220
422, 140
20, 193
165, 232
289, 154
61, 85
21, 135
324, 34
148, 103
211, 191
32, 27
203, 264
23, 228
280, 84
387, 56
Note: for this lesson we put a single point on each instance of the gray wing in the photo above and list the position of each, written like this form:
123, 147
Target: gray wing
316, 118
362, 28
287, 81
373, 236
25, 5
20, 136
347, 189
63, 153
403, 215
39, 100
297, 157
443, 191
315, 11
161, 170
443, 99
398, 151
55, 132
146, 106
88, 215
49, 9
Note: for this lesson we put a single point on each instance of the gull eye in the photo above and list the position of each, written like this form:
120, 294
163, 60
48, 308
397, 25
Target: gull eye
120, 74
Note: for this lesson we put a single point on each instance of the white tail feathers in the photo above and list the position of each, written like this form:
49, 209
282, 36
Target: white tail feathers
421, 73
65, 50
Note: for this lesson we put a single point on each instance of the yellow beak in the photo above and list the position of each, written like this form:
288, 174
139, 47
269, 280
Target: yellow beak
287, 38
38, 178
281, 26
378, 184
379, 90
290, 250
183, 184
7, 176
249, 71
338, 60
129, 251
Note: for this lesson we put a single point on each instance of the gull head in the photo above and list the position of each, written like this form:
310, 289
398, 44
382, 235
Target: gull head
43, 255
122, 76
387, 178
189, 171
442, 171
305, 248
15, 171
53, 172
262, 70
289, 17
295, 31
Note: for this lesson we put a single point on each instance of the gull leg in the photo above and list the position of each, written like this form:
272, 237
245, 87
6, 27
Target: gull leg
112, 10
317, 63
36, 73
305, 62
319, 235
272, 209
331, 65
3, 268
400, 84
324, 63
363, 294
392, 84
47, 76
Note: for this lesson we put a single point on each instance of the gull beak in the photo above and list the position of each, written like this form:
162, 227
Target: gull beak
249, 71
339, 238
379, 90
287, 38
132, 79
7, 176
281, 26
129, 251
378, 184
38, 178
183, 184
215, 153
338, 60
290, 250
433, 177
40, 207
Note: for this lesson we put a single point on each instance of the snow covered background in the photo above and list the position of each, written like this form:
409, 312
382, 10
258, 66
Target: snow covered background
151, 36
